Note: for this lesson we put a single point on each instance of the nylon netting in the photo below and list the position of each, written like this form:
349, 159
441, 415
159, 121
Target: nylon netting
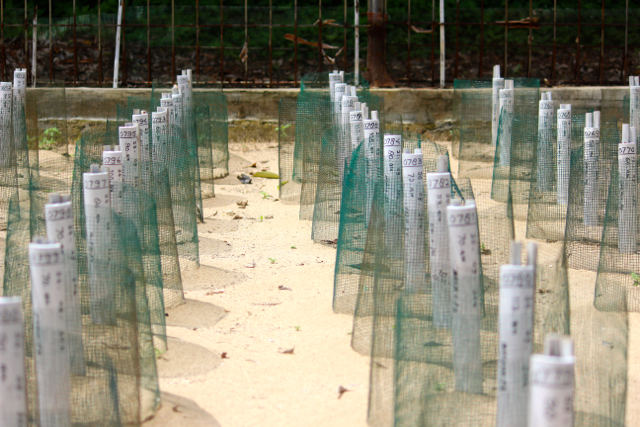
289, 188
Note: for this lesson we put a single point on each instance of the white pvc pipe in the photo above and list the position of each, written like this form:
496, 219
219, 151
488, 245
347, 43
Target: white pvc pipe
438, 198
344, 151
13, 390
6, 100
97, 207
178, 106
627, 208
112, 162
59, 224
591, 159
634, 102
515, 323
159, 135
545, 143
356, 76
392, 161
372, 151
116, 62
167, 102
564, 153
340, 90
48, 297
464, 259
497, 86
506, 122
142, 120
356, 127
552, 382
129, 140
413, 201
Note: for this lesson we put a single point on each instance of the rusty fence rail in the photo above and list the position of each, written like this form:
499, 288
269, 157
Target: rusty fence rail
272, 44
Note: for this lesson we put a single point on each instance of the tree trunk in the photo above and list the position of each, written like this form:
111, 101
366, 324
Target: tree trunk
376, 60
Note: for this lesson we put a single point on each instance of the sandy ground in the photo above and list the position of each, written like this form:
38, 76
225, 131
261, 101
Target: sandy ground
259, 313
280, 355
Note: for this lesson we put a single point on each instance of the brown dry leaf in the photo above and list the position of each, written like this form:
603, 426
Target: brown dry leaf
242, 203
224, 355
244, 53
293, 38
342, 391
216, 292
421, 30
290, 351
238, 217
283, 288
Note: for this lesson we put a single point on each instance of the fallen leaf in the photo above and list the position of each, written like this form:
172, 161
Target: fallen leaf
266, 174
293, 38
216, 292
224, 355
237, 217
242, 203
283, 288
342, 391
255, 165
176, 409
290, 351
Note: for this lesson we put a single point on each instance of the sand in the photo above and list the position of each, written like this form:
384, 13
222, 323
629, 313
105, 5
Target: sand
251, 378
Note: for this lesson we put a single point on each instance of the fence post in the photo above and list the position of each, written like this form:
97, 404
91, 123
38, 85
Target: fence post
116, 62
442, 68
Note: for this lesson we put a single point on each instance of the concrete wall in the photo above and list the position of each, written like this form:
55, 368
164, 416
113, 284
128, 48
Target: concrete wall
424, 106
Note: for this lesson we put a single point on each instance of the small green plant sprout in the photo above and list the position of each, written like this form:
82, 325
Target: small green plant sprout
283, 129
484, 250
293, 247
273, 260
297, 328
261, 218
636, 279
282, 185
440, 386
158, 352
265, 195
49, 138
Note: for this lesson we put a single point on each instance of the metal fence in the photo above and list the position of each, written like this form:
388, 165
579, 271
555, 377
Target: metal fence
263, 44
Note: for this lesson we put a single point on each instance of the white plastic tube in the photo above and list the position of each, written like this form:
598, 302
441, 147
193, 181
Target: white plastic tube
159, 132
438, 198
142, 120
627, 208
167, 102
545, 143
414, 210
112, 162
634, 102
48, 296
59, 224
591, 159
129, 139
373, 148
97, 208
340, 90
357, 128
564, 153
506, 122
13, 390
464, 259
334, 78
515, 323
498, 85
392, 160
177, 105
344, 151
6, 97
552, 384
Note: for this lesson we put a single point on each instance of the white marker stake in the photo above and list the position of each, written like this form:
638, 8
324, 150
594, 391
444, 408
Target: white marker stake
142, 120
97, 208
112, 161
439, 197
552, 385
159, 136
344, 151
392, 158
6, 96
634, 102
177, 104
564, 152
357, 130
129, 139
47, 266
545, 143
340, 91
167, 102
627, 214
414, 198
18, 107
515, 322
498, 84
372, 159
334, 78
506, 122
13, 391
58, 215
464, 258
591, 158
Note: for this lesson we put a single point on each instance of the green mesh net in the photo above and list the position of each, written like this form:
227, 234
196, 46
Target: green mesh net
289, 189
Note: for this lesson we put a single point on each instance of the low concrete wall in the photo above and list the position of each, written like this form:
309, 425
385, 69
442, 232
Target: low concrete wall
423, 106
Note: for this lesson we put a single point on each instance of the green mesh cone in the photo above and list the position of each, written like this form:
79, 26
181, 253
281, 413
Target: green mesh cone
289, 189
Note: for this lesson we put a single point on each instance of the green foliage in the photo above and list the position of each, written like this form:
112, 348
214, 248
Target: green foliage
50, 138
636, 279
